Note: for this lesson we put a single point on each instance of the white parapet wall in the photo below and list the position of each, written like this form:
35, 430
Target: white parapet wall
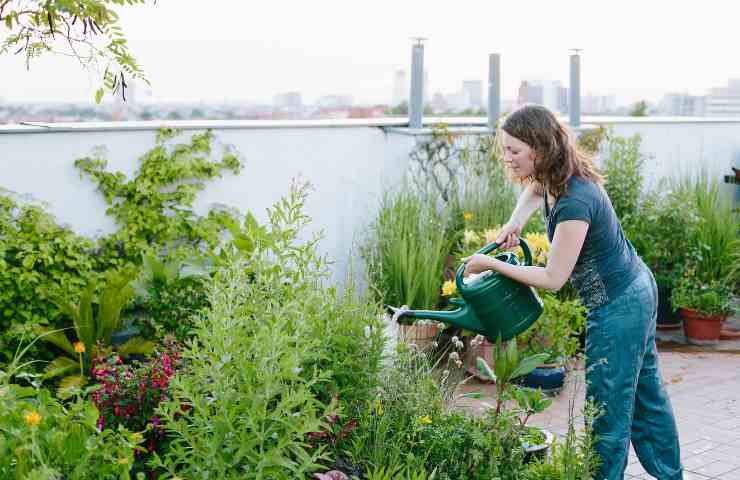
348, 163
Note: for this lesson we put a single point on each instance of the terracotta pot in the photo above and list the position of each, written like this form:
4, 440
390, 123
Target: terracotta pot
421, 335
701, 329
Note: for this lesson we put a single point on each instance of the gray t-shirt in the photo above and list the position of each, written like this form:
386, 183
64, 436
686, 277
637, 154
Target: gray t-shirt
608, 262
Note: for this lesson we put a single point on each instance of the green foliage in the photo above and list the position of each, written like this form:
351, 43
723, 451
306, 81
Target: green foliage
38, 259
709, 298
717, 238
42, 438
556, 332
664, 230
254, 378
63, 444
410, 389
639, 109
507, 366
154, 210
93, 327
622, 168
171, 294
406, 251
88, 30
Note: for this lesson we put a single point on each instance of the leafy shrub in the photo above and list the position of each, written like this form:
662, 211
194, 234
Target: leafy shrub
93, 326
710, 298
38, 259
622, 168
254, 367
43, 438
557, 331
40, 437
171, 294
154, 210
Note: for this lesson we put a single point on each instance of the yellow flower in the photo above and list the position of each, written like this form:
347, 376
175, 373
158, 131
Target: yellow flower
448, 288
378, 407
137, 437
470, 237
79, 347
467, 216
32, 418
425, 420
491, 235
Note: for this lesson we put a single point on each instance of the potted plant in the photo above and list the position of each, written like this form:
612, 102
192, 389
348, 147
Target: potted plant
555, 334
703, 306
508, 366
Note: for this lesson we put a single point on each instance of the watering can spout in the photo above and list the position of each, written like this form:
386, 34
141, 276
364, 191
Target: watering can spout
461, 317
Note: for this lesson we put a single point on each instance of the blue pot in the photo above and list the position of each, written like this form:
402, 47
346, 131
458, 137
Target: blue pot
123, 336
546, 377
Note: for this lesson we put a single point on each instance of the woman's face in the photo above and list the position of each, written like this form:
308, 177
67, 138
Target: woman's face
518, 156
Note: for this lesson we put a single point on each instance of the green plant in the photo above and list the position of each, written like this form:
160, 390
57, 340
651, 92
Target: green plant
709, 298
93, 328
38, 258
663, 232
255, 374
717, 238
507, 366
41, 437
154, 210
399, 473
557, 331
622, 169
171, 294
407, 249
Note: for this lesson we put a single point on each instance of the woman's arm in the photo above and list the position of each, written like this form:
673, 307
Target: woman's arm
566, 246
528, 202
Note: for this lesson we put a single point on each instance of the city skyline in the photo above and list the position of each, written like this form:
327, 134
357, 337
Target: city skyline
254, 53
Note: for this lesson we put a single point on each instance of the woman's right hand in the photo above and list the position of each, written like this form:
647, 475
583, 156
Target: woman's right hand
508, 237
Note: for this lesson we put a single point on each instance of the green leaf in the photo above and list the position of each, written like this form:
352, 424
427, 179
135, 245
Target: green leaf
485, 369
61, 366
136, 346
69, 385
55, 337
529, 364
99, 95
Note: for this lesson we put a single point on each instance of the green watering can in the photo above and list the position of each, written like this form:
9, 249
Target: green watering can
491, 305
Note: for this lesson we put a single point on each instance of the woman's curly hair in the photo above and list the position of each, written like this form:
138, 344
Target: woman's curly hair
557, 156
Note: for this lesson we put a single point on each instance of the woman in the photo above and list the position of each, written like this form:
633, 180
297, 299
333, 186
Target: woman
588, 247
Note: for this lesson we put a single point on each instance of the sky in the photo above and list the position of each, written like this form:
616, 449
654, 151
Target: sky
232, 50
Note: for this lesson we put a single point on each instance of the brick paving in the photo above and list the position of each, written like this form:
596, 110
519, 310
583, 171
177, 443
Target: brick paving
704, 387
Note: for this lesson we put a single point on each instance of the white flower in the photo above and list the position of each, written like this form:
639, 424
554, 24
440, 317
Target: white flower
435, 344
454, 357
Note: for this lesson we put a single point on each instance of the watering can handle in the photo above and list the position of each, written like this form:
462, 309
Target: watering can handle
493, 246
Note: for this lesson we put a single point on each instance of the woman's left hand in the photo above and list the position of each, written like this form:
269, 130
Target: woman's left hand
477, 263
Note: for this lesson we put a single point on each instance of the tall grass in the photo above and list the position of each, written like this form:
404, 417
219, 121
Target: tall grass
407, 249
717, 238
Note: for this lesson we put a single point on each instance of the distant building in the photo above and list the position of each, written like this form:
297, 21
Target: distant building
333, 101
724, 101
598, 104
682, 105
474, 90
439, 104
549, 93
288, 101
